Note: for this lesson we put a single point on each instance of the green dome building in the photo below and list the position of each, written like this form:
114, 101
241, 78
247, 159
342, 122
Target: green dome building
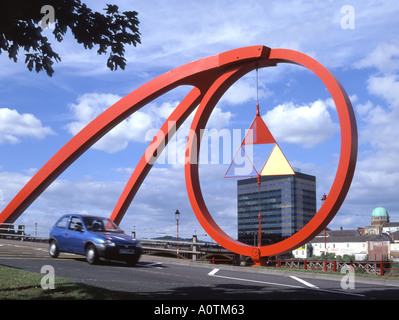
379, 216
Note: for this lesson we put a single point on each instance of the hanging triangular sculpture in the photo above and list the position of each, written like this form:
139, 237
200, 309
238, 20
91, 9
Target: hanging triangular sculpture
277, 164
258, 133
242, 165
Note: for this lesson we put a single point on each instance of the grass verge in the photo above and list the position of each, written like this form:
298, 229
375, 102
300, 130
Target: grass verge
16, 284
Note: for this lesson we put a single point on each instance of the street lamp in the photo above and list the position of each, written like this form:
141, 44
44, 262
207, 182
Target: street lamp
177, 217
323, 199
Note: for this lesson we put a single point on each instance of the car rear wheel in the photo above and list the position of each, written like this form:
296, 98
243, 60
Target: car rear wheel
91, 254
53, 249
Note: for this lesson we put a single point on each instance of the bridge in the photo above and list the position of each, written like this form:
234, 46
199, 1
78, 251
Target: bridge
193, 250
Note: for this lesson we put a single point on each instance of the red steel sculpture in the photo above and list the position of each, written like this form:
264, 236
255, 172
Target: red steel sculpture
210, 78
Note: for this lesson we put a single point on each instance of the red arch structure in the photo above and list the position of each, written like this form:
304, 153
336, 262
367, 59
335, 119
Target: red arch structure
210, 78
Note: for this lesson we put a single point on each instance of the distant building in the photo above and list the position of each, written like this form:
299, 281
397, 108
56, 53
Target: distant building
379, 241
286, 203
352, 243
379, 216
390, 227
303, 252
380, 223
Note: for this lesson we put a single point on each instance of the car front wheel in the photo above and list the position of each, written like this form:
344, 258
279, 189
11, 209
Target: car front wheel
53, 249
91, 254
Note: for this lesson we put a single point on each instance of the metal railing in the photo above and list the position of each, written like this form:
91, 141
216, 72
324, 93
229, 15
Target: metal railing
376, 268
24, 232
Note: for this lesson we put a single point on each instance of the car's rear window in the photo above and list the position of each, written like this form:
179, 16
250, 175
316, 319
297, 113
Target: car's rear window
63, 223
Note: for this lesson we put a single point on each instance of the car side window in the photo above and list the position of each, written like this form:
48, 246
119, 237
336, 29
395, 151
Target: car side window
76, 224
63, 223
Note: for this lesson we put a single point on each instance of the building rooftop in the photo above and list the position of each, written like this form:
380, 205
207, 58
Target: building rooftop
348, 236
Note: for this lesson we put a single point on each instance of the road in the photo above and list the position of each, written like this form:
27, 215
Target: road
156, 278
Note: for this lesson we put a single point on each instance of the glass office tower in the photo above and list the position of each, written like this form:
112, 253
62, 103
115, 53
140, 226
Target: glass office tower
286, 203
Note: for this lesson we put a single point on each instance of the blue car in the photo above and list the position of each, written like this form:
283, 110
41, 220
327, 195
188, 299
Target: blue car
94, 237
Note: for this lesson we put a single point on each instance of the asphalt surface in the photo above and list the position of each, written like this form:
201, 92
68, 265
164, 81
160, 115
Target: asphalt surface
158, 278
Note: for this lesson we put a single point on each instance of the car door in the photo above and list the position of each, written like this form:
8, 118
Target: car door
58, 232
75, 236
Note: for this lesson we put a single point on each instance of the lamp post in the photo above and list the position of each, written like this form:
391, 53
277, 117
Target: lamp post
323, 199
177, 216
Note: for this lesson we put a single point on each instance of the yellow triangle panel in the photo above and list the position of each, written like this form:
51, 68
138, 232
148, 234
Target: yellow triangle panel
277, 164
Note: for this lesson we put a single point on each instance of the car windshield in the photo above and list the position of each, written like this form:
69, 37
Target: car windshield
97, 224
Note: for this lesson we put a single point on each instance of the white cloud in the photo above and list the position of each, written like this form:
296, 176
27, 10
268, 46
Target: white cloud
387, 87
90, 105
385, 58
306, 125
244, 90
10, 183
14, 126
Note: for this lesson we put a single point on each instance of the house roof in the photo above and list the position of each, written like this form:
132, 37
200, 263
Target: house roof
339, 233
390, 224
345, 237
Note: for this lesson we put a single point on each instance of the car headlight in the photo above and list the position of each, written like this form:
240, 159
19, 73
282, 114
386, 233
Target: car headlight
138, 244
109, 243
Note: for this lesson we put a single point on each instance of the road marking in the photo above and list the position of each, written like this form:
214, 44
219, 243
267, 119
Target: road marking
304, 282
214, 271
308, 285
311, 286
157, 265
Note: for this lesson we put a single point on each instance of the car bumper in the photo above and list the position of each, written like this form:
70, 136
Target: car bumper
124, 253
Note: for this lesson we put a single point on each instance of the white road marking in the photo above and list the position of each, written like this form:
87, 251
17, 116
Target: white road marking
304, 282
214, 271
311, 286
308, 285
151, 265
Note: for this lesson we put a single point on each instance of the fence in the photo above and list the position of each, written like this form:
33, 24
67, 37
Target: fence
376, 268
25, 232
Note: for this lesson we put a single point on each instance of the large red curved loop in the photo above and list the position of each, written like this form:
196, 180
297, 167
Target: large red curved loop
341, 184
210, 77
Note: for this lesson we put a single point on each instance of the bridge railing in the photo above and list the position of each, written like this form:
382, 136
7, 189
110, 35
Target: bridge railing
377, 268
25, 232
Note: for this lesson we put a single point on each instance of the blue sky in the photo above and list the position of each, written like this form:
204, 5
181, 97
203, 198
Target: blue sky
38, 114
